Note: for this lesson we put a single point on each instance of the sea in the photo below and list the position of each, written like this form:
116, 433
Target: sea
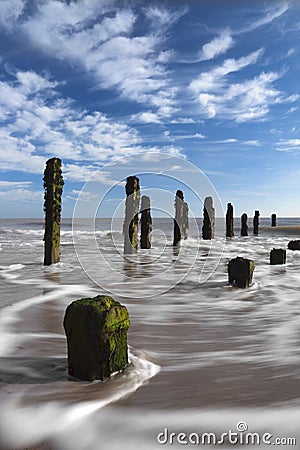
210, 364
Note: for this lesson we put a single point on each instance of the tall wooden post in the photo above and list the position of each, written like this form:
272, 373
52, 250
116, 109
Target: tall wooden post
273, 220
53, 185
178, 221
229, 221
185, 220
208, 219
244, 225
131, 221
255, 222
146, 223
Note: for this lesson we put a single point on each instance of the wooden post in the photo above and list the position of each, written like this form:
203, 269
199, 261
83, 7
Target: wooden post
96, 330
146, 223
244, 227
131, 221
255, 222
53, 185
240, 272
178, 221
208, 219
185, 220
273, 219
229, 221
277, 256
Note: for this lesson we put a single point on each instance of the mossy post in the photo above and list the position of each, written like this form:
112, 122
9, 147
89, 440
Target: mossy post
131, 215
146, 223
229, 221
240, 272
208, 219
244, 225
273, 220
255, 222
53, 185
178, 221
96, 330
185, 220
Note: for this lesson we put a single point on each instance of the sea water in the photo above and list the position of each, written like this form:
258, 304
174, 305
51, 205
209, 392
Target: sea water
205, 356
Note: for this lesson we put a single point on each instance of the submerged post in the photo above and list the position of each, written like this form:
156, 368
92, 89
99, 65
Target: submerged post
178, 221
208, 219
229, 221
244, 227
277, 256
185, 220
255, 222
131, 221
146, 223
273, 219
240, 272
96, 330
53, 185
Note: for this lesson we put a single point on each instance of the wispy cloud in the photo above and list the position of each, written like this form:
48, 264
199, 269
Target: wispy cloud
271, 14
217, 46
246, 100
101, 38
288, 145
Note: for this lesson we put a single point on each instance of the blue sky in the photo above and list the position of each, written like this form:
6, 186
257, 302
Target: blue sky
90, 81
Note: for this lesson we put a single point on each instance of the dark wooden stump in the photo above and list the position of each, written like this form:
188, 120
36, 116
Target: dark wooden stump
244, 225
229, 221
277, 256
130, 227
255, 222
178, 221
146, 223
208, 219
273, 220
96, 330
53, 185
240, 272
294, 245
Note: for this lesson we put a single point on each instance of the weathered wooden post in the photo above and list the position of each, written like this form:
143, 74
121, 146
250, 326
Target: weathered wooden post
244, 225
229, 221
96, 330
255, 222
146, 222
208, 219
53, 185
277, 256
131, 221
185, 220
178, 221
240, 272
294, 245
273, 219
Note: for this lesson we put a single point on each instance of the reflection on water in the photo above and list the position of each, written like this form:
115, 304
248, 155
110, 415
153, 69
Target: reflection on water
225, 354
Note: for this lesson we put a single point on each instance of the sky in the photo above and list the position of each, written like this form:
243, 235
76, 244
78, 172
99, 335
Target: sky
106, 84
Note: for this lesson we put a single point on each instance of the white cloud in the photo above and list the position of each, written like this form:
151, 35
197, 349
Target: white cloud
21, 195
270, 15
102, 39
247, 100
217, 46
288, 145
14, 184
146, 117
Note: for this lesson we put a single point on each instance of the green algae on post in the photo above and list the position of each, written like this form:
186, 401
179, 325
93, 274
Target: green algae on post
53, 185
130, 227
146, 223
96, 330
